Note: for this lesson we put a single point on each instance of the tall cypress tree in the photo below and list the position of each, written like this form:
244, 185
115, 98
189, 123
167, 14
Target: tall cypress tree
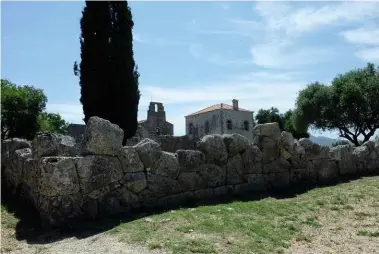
108, 75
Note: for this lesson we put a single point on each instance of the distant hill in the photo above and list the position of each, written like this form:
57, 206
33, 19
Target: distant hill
320, 140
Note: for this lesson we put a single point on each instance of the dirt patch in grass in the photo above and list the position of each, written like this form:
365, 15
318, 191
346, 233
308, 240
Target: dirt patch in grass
352, 228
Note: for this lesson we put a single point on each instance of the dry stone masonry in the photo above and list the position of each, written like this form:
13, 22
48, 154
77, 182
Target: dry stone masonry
98, 177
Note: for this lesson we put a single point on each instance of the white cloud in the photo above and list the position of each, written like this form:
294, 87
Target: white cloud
367, 38
72, 113
362, 35
286, 56
276, 36
369, 54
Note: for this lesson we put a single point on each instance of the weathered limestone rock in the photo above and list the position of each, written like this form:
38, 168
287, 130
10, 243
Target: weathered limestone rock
252, 160
174, 200
213, 175
234, 170
269, 130
135, 181
130, 160
31, 175
235, 143
15, 165
102, 137
166, 165
203, 194
270, 150
47, 144
191, 181
58, 210
190, 159
214, 148
58, 176
160, 186
345, 159
286, 141
279, 165
327, 171
361, 153
149, 152
221, 190
96, 171
8, 146
257, 182
313, 151
279, 180
118, 200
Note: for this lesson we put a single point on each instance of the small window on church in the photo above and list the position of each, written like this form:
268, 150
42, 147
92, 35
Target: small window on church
190, 128
229, 124
206, 127
158, 131
246, 125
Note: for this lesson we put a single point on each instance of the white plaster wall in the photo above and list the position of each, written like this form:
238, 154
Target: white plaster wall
199, 120
238, 118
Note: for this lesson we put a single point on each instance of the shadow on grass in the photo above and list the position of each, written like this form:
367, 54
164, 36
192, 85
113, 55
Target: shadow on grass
28, 227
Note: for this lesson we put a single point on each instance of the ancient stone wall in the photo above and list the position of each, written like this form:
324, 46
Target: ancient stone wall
99, 177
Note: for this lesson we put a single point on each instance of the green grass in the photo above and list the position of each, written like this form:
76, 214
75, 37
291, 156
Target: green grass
368, 233
263, 226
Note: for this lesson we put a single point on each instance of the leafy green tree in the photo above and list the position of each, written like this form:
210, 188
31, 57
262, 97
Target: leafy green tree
20, 107
350, 105
285, 121
107, 71
269, 116
289, 126
53, 123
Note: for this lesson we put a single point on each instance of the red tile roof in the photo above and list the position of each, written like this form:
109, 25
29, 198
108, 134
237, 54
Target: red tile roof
216, 107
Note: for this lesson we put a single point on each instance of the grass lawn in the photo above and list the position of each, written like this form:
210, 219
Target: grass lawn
268, 225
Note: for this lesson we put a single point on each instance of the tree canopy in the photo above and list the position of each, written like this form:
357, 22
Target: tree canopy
20, 106
350, 105
107, 71
23, 112
52, 122
285, 121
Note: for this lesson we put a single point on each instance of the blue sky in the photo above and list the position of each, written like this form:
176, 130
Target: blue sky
195, 54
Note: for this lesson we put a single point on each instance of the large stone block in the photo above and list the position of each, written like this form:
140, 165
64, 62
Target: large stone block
130, 160
286, 141
190, 159
135, 181
257, 182
96, 171
58, 176
191, 181
166, 165
160, 186
214, 148
279, 180
269, 130
56, 211
343, 154
116, 201
47, 144
213, 175
235, 170
8, 146
14, 166
102, 137
252, 160
270, 149
328, 171
149, 152
235, 143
